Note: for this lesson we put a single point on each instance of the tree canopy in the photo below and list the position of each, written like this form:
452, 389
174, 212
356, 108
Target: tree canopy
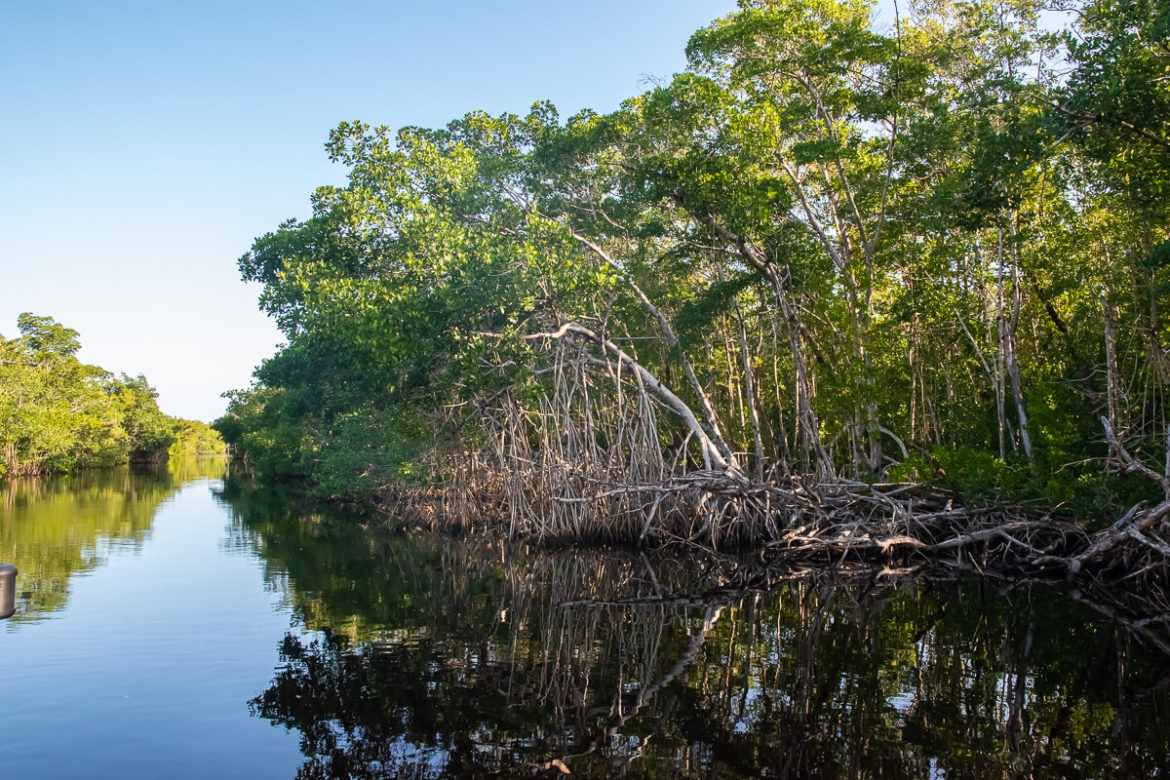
934, 251
58, 414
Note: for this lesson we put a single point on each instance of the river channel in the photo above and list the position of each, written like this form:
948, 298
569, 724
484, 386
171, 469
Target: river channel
182, 624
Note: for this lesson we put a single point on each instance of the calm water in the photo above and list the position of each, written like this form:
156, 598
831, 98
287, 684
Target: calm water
177, 625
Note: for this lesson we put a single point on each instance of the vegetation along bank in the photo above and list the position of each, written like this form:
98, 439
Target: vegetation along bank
58, 415
836, 290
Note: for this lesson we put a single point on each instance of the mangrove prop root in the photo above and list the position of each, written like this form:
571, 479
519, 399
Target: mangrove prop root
588, 465
889, 524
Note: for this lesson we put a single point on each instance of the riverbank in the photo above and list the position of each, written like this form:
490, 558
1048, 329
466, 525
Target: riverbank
60, 416
894, 523
794, 522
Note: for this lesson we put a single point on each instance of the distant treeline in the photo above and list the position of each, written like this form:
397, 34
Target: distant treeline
934, 252
58, 414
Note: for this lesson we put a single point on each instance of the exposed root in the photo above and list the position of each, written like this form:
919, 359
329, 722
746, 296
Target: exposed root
590, 466
896, 525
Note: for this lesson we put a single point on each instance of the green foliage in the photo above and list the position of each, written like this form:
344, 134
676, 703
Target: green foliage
696, 315
259, 429
46, 339
368, 449
194, 438
150, 432
58, 414
1118, 96
921, 233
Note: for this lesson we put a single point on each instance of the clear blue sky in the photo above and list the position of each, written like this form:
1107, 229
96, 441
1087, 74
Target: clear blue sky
143, 146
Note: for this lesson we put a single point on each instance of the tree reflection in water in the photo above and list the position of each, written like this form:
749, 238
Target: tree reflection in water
438, 657
56, 528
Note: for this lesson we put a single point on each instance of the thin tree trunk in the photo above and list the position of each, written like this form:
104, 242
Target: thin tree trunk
781, 441
1013, 363
913, 380
1111, 373
710, 418
734, 389
750, 391
1001, 353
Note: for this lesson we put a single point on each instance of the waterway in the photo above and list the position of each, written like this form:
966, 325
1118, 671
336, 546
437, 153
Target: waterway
178, 623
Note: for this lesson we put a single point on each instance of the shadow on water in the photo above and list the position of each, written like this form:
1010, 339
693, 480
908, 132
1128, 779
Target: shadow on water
56, 528
425, 656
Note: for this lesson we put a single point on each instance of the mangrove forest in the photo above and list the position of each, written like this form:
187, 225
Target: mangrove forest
835, 289
802, 415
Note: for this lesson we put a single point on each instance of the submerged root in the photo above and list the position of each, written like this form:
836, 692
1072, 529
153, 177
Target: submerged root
889, 524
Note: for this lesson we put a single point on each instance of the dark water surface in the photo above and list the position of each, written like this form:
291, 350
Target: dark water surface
177, 625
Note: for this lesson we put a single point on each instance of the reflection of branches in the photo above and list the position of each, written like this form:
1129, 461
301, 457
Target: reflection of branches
1144, 628
458, 658
620, 712
54, 529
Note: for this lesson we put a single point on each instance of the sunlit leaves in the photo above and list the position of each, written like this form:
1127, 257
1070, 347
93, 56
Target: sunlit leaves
58, 414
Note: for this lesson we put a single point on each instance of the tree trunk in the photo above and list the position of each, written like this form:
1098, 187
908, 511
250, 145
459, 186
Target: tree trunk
1013, 363
710, 418
711, 454
750, 392
1111, 373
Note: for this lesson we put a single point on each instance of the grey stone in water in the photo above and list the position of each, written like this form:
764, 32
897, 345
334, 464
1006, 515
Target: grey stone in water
7, 590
